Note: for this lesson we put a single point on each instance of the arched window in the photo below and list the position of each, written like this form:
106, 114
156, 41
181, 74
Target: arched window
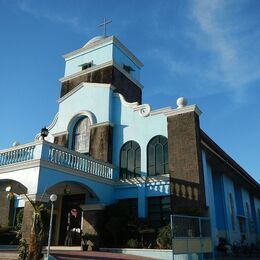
157, 156
130, 160
81, 135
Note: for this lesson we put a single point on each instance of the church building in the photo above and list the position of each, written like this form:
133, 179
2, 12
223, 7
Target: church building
104, 145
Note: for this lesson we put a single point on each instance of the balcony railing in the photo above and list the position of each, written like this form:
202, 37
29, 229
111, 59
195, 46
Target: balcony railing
58, 155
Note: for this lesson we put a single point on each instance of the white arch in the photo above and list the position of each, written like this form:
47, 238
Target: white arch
79, 114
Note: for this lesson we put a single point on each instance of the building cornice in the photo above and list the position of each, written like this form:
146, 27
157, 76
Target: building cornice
43, 163
165, 179
161, 111
98, 67
86, 71
183, 110
84, 84
211, 146
75, 172
101, 43
109, 123
20, 166
61, 133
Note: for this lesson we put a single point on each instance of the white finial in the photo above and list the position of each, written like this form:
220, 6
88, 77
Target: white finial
181, 102
16, 143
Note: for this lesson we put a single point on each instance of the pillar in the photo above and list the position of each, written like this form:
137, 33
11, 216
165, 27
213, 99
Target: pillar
6, 210
101, 140
93, 216
185, 161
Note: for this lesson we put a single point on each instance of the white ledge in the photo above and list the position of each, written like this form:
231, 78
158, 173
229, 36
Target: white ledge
183, 110
104, 42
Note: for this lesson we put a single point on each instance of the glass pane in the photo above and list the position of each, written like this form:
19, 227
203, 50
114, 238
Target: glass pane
131, 161
81, 135
138, 161
159, 159
123, 159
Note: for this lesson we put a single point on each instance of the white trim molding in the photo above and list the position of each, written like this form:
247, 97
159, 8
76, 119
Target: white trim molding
104, 42
85, 84
101, 66
183, 110
144, 109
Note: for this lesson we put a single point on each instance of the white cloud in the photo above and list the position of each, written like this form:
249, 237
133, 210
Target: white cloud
72, 21
228, 35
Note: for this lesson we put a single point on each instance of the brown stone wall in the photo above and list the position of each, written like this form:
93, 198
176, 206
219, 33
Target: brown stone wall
126, 87
4, 209
185, 163
27, 221
92, 224
99, 76
109, 75
61, 140
101, 139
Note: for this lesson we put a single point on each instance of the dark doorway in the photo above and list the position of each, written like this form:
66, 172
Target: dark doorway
70, 221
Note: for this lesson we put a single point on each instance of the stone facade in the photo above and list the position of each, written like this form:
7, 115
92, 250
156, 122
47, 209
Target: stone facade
109, 75
27, 221
61, 140
5, 210
101, 139
185, 162
92, 221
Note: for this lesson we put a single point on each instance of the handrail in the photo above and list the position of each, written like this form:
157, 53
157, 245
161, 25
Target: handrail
21, 154
79, 162
56, 154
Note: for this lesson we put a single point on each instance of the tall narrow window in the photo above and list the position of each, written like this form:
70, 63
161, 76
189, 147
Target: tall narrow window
81, 135
232, 211
249, 220
130, 160
157, 156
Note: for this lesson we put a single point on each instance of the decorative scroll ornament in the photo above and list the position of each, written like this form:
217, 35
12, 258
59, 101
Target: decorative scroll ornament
144, 110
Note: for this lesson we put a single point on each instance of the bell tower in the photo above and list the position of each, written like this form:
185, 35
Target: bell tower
104, 59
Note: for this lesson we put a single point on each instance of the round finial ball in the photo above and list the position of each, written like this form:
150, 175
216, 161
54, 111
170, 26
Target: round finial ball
181, 102
16, 143
53, 197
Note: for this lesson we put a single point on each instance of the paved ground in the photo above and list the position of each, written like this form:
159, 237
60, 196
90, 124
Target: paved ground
237, 258
94, 256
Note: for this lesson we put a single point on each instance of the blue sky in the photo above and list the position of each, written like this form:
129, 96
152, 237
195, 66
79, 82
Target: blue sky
206, 51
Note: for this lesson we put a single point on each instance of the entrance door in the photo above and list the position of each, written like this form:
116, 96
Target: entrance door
70, 222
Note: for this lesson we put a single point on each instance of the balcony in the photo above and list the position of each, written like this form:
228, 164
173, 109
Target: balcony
45, 151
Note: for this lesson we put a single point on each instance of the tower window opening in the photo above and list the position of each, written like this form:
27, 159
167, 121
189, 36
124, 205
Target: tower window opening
86, 65
128, 69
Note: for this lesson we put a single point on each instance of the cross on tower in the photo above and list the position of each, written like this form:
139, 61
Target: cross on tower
104, 25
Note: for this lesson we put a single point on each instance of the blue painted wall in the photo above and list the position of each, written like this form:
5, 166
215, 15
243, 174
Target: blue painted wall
122, 59
239, 200
49, 177
98, 55
219, 201
129, 125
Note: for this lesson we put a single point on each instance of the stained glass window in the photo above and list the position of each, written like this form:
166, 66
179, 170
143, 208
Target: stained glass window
81, 135
130, 160
157, 156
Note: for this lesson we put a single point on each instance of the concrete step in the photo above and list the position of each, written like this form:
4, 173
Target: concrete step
63, 248
8, 255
